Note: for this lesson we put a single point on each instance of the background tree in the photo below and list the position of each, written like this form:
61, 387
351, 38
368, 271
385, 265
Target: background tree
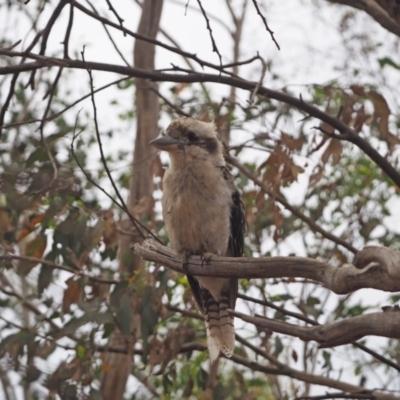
84, 316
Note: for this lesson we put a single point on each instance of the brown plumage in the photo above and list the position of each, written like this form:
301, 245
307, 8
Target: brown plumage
203, 213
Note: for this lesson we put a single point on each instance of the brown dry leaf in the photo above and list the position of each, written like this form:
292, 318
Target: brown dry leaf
37, 246
171, 347
295, 171
29, 225
381, 111
278, 222
333, 149
360, 119
144, 206
358, 90
157, 168
73, 293
205, 117
294, 355
106, 367
156, 350
290, 143
179, 87
272, 167
36, 219
5, 222
110, 232
222, 122
327, 128
260, 199
347, 108
81, 261
341, 256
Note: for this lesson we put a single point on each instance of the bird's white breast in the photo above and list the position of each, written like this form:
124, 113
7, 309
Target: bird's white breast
196, 209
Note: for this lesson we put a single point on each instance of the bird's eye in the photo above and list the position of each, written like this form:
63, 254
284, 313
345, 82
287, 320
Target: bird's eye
192, 137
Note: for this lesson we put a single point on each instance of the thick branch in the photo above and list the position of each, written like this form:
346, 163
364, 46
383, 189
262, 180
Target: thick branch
346, 133
385, 324
340, 280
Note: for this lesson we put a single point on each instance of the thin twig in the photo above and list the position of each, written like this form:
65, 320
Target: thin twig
41, 128
178, 110
112, 9
68, 31
266, 24
134, 220
260, 81
57, 114
350, 134
110, 36
52, 264
214, 45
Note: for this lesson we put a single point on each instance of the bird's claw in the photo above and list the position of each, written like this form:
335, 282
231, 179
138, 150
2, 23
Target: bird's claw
206, 258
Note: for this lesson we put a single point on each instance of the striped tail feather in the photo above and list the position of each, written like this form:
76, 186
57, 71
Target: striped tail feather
219, 325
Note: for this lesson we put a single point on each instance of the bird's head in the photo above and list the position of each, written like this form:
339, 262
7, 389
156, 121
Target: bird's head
189, 139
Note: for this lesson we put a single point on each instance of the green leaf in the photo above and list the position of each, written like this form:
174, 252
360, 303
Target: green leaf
388, 61
80, 352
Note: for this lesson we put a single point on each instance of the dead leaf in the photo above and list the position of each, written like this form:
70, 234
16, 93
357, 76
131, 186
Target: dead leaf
109, 232
358, 90
179, 87
291, 143
155, 353
73, 293
34, 248
360, 119
334, 150
381, 112
295, 171
347, 108
327, 128
278, 222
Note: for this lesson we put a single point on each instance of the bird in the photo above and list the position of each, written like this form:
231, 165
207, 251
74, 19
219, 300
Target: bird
204, 214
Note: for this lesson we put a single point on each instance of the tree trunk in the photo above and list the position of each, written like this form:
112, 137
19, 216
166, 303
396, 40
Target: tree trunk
140, 201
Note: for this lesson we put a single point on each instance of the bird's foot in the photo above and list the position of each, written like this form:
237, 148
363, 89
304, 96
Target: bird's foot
185, 259
206, 258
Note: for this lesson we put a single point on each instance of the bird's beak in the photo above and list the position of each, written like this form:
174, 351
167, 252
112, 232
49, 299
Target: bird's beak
167, 143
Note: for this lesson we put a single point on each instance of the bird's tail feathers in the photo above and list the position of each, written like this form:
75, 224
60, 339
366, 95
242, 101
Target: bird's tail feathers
219, 326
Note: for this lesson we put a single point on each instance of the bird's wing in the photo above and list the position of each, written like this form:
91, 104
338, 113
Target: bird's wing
238, 227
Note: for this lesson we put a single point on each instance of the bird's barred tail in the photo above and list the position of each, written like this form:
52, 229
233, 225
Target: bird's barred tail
219, 325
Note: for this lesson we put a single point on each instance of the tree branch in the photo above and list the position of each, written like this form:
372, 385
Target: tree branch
190, 77
385, 324
342, 280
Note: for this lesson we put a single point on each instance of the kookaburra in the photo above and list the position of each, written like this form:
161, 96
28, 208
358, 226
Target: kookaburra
203, 213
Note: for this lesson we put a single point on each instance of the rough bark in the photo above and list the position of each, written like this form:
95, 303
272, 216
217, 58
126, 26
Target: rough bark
140, 197
375, 267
